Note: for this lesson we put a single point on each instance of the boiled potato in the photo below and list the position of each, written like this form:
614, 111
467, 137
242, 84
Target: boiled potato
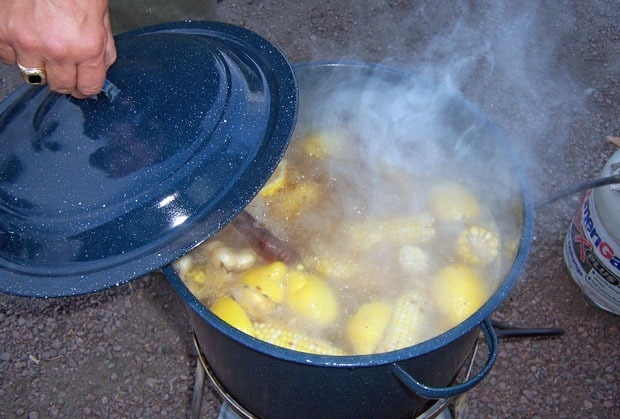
459, 292
231, 312
312, 298
451, 201
268, 280
366, 327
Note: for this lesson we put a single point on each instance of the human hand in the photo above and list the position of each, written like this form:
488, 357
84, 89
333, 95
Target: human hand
70, 39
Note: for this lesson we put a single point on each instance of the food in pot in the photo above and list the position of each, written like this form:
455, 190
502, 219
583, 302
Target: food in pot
478, 245
366, 327
268, 246
311, 298
294, 340
408, 324
453, 202
321, 262
231, 312
459, 291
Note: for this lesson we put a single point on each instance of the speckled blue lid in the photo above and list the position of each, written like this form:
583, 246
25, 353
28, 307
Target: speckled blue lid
194, 118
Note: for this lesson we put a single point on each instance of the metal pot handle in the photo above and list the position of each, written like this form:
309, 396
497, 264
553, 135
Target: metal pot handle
442, 393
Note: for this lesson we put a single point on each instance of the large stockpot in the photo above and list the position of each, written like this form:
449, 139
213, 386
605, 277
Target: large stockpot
273, 382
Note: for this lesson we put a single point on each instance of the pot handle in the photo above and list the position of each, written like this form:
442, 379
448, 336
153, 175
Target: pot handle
455, 390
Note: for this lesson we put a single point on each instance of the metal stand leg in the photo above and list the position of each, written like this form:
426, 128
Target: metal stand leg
199, 386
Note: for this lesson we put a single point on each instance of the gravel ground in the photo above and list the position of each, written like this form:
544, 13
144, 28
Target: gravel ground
547, 72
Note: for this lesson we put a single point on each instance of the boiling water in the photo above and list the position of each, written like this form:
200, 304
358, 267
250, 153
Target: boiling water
370, 231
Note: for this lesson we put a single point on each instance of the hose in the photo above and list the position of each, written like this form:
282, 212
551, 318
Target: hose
590, 184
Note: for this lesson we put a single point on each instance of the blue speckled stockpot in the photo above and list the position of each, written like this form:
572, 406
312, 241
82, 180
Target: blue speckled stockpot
274, 382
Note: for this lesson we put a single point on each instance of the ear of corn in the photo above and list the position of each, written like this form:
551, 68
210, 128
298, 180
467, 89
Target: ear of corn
336, 266
413, 259
295, 199
294, 340
408, 322
402, 230
478, 245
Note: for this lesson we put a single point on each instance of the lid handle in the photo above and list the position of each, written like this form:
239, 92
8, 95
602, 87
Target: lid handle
109, 90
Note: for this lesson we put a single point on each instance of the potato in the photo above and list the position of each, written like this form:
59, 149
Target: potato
366, 327
231, 312
459, 292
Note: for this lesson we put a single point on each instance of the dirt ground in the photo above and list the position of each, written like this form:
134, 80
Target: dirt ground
548, 73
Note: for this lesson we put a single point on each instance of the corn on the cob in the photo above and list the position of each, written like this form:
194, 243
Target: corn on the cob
294, 340
408, 322
295, 199
478, 245
333, 266
404, 230
413, 259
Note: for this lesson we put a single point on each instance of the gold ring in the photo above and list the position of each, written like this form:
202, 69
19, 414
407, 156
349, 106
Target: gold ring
32, 75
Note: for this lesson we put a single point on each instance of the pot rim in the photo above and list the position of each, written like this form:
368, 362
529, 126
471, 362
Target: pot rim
348, 361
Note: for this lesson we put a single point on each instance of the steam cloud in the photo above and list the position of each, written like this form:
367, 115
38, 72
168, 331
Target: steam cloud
506, 57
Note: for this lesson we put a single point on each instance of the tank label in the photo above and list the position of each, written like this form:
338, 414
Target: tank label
593, 258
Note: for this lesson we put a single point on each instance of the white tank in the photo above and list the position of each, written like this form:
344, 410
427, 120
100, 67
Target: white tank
592, 245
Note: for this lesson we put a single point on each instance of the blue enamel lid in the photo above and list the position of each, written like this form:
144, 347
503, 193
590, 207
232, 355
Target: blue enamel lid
194, 118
